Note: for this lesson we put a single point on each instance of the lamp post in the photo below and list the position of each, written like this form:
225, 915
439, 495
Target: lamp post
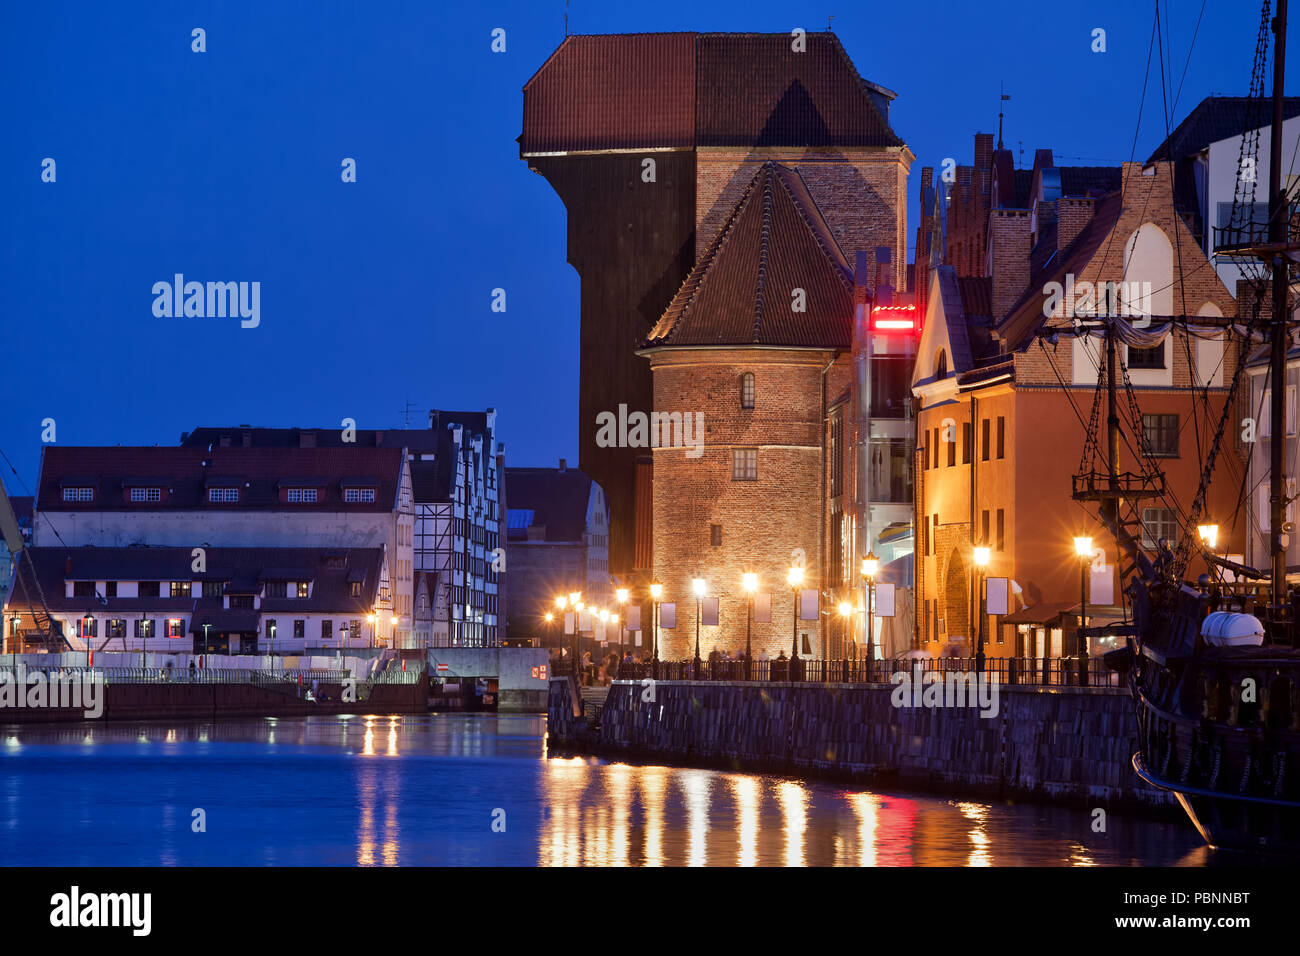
550, 618
870, 565
846, 629
621, 619
561, 602
750, 581
1083, 548
981, 556
794, 577
271, 650
206, 645
1209, 534
575, 598
656, 592
371, 619
698, 587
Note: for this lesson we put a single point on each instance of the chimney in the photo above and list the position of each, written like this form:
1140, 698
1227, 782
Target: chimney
1008, 258
884, 287
1072, 216
563, 466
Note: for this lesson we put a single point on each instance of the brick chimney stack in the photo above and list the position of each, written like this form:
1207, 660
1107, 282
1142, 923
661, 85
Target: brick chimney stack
1008, 258
1072, 216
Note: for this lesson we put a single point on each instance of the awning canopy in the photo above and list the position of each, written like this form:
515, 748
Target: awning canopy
1041, 613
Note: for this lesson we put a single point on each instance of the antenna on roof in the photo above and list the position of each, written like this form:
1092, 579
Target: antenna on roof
1002, 92
829, 18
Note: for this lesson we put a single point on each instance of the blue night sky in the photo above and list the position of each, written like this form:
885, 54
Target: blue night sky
225, 166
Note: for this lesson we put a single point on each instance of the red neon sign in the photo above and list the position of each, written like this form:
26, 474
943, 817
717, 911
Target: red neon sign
894, 318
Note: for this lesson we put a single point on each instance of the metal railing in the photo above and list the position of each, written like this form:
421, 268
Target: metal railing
1050, 672
177, 675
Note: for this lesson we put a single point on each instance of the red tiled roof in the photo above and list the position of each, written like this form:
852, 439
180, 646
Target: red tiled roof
741, 291
626, 91
187, 471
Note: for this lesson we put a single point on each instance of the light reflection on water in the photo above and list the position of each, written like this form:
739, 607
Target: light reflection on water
382, 791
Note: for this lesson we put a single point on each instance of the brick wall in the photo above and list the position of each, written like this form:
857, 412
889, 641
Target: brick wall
761, 522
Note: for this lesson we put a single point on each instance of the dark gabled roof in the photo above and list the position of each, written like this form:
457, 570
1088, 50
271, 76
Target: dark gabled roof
1216, 118
558, 499
741, 291
1090, 180
331, 589
1026, 316
627, 91
185, 472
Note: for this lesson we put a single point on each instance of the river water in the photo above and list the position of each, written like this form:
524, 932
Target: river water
481, 790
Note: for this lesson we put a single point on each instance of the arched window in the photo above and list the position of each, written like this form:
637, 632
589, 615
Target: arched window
941, 365
747, 390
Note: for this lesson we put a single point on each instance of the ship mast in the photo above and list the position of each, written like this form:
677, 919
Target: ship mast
1278, 226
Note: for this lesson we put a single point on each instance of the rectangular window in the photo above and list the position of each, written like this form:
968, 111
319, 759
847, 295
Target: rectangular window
89, 627
146, 494
299, 629
116, 627
144, 627
836, 454
270, 628
213, 589
277, 589
243, 602
302, 496
78, 494
952, 450
326, 630
180, 589
966, 443
110, 589
747, 390
934, 443
355, 589
1002, 436
304, 589
223, 494
176, 627
1159, 523
1160, 436
744, 464
1147, 358
934, 536
148, 589
84, 589
984, 528
984, 429
715, 535
1002, 530
359, 495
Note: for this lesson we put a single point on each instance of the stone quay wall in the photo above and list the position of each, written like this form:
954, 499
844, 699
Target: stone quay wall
1065, 745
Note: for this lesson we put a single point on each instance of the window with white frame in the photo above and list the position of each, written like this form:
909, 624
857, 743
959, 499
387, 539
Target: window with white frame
223, 494
302, 496
1159, 523
146, 494
744, 464
359, 495
78, 494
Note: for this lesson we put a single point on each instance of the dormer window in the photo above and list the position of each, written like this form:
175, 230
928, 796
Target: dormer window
747, 390
223, 495
358, 495
78, 494
302, 496
146, 495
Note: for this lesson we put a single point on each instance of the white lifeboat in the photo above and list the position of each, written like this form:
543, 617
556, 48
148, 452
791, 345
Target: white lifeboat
1229, 629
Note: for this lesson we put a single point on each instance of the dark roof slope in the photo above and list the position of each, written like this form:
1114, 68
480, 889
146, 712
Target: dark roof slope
187, 472
558, 499
624, 91
1216, 118
741, 291
331, 571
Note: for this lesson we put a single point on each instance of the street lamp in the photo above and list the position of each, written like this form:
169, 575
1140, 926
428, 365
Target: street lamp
271, 649
622, 595
981, 556
374, 637
1209, 538
698, 587
870, 565
794, 577
1083, 548
656, 592
750, 581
